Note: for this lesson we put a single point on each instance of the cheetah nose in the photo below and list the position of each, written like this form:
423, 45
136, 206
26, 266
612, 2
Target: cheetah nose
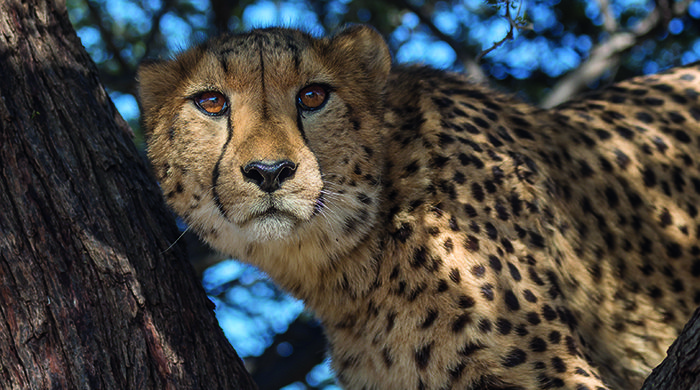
269, 176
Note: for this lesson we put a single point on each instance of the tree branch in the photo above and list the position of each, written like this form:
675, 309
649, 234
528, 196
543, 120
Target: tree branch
509, 35
470, 65
221, 14
107, 37
155, 27
681, 368
272, 371
607, 55
609, 22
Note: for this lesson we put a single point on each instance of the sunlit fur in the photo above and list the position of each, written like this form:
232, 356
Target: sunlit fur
447, 236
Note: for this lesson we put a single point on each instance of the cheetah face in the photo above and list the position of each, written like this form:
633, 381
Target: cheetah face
263, 178
266, 137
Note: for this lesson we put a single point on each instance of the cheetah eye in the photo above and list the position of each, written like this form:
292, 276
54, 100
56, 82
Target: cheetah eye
211, 103
312, 97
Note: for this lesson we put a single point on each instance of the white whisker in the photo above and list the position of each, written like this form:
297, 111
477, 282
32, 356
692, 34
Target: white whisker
176, 240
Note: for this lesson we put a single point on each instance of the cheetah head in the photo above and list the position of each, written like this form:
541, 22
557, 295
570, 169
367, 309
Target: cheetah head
270, 138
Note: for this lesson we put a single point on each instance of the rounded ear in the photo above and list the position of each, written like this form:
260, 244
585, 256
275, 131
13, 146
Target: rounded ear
363, 45
153, 80
159, 82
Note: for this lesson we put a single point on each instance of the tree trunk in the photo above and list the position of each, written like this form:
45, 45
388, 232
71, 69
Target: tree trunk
681, 368
92, 294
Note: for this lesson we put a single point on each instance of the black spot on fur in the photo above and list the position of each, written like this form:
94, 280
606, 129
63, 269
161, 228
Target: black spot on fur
649, 177
471, 243
651, 101
420, 257
536, 240
487, 292
682, 136
471, 211
485, 325
514, 358
503, 326
460, 322
529, 296
571, 346
465, 301
495, 263
456, 372
390, 320
403, 233
507, 245
454, 275
422, 356
469, 348
538, 345
554, 337
511, 300
624, 132
430, 318
388, 358
514, 272
548, 313
523, 134
644, 117
477, 192
478, 271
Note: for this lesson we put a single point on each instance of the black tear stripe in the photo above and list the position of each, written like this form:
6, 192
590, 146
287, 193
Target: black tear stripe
294, 49
300, 126
217, 166
265, 110
222, 60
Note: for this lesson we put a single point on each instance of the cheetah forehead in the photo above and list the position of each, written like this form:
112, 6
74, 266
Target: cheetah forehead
274, 58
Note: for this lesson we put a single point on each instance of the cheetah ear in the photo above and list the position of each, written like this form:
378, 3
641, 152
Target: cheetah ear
154, 82
159, 82
363, 45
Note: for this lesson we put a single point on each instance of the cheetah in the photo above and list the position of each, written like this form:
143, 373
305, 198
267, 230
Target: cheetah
446, 235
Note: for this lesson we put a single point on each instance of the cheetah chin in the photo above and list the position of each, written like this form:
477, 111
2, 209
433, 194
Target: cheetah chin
271, 224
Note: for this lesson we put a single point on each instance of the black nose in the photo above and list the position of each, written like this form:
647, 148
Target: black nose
269, 176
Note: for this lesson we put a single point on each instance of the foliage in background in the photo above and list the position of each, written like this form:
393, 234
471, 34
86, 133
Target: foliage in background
543, 51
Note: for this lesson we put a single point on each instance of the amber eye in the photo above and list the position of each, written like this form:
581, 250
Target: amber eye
211, 103
312, 97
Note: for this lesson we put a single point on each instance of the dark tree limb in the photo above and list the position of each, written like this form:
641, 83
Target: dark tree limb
463, 55
108, 37
512, 26
681, 368
272, 371
92, 295
154, 32
124, 79
222, 10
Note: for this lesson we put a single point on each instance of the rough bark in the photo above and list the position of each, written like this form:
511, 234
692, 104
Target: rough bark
92, 294
681, 368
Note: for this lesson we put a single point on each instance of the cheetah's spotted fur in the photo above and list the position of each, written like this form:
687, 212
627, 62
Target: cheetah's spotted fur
447, 236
